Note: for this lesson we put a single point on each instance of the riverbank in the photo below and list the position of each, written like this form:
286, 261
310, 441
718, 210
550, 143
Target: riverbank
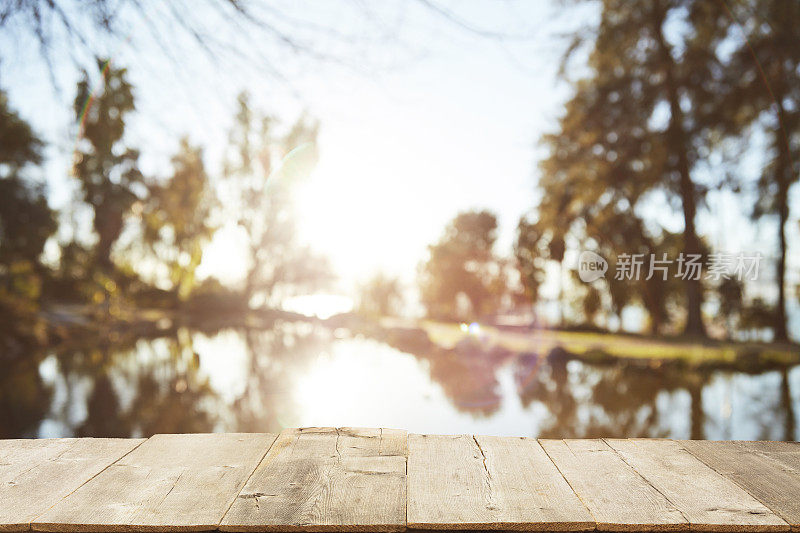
71, 324
598, 346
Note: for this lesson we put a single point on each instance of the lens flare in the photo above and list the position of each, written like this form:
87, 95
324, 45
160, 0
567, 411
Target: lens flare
294, 167
90, 99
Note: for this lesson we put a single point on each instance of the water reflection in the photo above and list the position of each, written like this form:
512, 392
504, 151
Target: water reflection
299, 374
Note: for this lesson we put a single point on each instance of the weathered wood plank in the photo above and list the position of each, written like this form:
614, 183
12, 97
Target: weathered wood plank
774, 482
326, 479
465, 482
168, 483
618, 497
787, 453
709, 501
355, 480
36, 474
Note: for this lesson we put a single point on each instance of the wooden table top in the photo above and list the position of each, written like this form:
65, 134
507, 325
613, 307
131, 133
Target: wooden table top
361, 479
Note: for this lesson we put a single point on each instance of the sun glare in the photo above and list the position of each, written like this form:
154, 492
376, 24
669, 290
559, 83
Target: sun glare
359, 384
225, 258
319, 305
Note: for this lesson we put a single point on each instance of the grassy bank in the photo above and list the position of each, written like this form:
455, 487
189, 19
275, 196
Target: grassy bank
601, 346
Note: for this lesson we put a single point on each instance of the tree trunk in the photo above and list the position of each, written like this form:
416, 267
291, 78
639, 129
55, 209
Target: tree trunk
783, 168
678, 144
108, 226
561, 294
691, 245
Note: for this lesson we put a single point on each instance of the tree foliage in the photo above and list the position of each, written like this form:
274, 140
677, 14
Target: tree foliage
637, 127
26, 222
177, 217
381, 296
763, 74
261, 168
463, 278
107, 170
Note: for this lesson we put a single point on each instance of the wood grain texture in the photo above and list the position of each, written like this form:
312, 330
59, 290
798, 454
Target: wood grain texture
168, 483
618, 497
709, 501
37, 474
774, 482
465, 482
326, 479
787, 453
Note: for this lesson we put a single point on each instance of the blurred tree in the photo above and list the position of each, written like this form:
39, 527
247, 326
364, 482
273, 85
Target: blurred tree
261, 168
556, 248
176, 217
26, 222
530, 262
248, 35
74, 266
589, 194
731, 303
638, 123
106, 169
764, 79
757, 316
537, 243
462, 266
381, 296
592, 303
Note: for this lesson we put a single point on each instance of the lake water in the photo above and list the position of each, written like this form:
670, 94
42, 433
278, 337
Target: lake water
303, 375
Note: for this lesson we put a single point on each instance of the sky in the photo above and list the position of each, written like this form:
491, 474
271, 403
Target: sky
421, 117
440, 119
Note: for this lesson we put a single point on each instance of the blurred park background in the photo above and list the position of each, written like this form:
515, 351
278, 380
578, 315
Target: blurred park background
243, 215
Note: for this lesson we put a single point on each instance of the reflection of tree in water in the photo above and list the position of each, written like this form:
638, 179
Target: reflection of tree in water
789, 422
153, 387
168, 396
24, 397
274, 357
620, 399
548, 384
782, 424
763, 403
104, 414
468, 375
467, 372
616, 400
140, 387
